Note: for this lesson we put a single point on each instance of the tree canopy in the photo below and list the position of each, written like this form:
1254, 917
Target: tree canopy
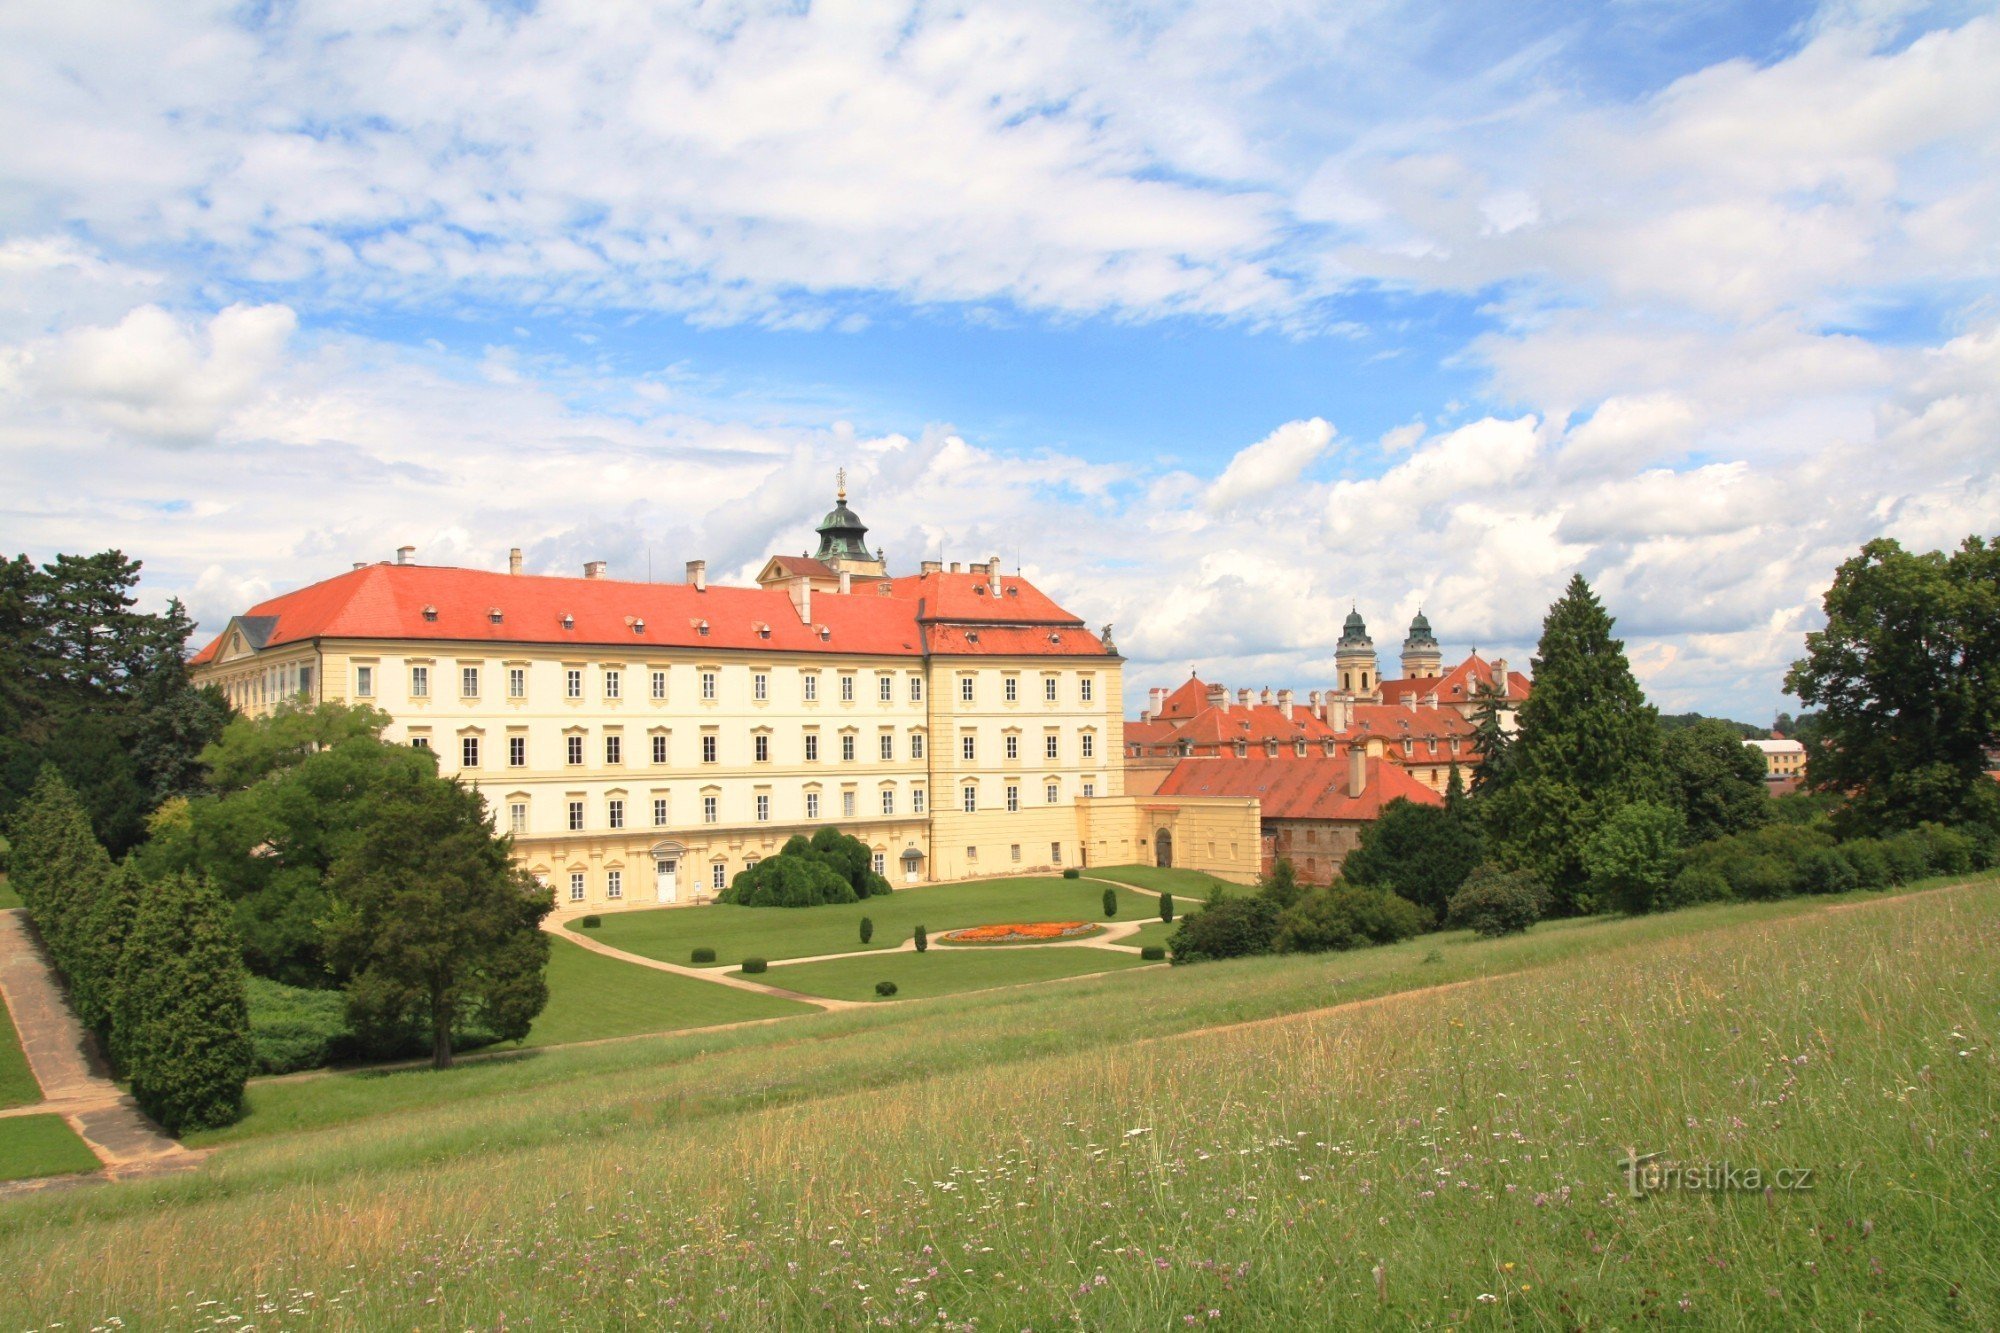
1421, 852
1718, 781
830, 867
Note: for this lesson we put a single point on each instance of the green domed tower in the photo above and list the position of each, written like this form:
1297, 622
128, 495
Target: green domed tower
1422, 658
842, 538
1354, 658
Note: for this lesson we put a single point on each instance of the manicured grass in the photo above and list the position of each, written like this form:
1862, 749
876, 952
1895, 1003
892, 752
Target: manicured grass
1445, 1159
17, 1081
41, 1145
1183, 884
736, 933
591, 997
942, 971
1154, 932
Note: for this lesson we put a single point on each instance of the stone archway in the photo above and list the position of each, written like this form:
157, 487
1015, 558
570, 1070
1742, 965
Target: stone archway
1163, 849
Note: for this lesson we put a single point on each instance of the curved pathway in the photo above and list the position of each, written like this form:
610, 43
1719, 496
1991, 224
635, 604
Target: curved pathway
75, 1084
717, 975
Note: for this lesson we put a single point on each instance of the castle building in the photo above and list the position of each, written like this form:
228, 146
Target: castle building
643, 742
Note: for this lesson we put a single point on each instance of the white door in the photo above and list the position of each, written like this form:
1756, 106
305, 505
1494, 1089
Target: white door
666, 879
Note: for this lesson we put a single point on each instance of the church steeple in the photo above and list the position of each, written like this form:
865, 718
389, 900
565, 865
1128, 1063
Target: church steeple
1422, 658
1354, 658
843, 537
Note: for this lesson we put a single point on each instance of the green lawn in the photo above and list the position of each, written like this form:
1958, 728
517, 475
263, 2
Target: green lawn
591, 996
736, 933
41, 1145
8, 898
942, 972
1183, 884
17, 1081
1155, 932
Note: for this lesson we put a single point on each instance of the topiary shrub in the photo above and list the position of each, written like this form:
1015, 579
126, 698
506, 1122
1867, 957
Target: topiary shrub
1166, 907
1345, 916
591, 922
1495, 902
1072, 873
885, 988
1226, 928
1826, 870
704, 954
1111, 902
181, 1017
755, 965
1153, 953
830, 867
867, 929
922, 940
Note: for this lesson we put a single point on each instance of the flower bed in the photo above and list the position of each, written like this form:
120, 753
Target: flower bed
1033, 932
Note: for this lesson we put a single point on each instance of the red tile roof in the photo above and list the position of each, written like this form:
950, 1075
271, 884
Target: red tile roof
1190, 698
966, 598
1456, 686
1310, 788
384, 601
1012, 641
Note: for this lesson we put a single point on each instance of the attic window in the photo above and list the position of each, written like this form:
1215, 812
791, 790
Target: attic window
762, 629
568, 621
978, 590
1012, 591
638, 626
824, 633
700, 627
493, 614
972, 636
430, 613
1055, 638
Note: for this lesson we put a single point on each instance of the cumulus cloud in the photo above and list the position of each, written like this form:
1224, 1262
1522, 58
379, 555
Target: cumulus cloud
1272, 462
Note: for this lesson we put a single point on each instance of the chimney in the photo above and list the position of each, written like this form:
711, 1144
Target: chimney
802, 598
363, 564
1313, 704
954, 566
1285, 704
1243, 698
1357, 769
406, 555
1500, 675
698, 574
993, 575
930, 567
1158, 694
514, 561
1218, 697
1339, 712
1265, 697
593, 569
846, 582
1410, 701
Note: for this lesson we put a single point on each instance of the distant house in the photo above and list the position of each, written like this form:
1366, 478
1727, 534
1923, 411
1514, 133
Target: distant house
1784, 760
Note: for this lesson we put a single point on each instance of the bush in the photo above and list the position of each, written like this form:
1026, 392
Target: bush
923, 941
1762, 877
830, 867
1949, 851
755, 965
1072, 873
704, 954
1693, 885
1153, 953
1870, 862
1346, 916
1908, 856
1227, 928
182, 1017
1111, 902
1632, 855
1827, 870
591, 922
1166, 907
292, 1028
867, 929
1496, 902
885, 988
1280, 888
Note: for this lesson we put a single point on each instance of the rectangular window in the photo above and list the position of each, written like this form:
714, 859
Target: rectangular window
1055, 853
576, 886
969, 799
718, 878
812, 805
420, 682
916, 745
965, 689
1083, 688
659, 749
916, 689
885, 688
847, 689
888, 800
1049, 688
517, 682
968, 747
708, 684
708, 815
888, 746
468, 682
708, 749
1013, 798
1013, 747
760, 687
517, 817
1052, 793
614, 884
420, 742
812, 747
760, 746
614, 813
573, 683
468, 752
1089, 789
1014, 851
614, 684
847, 805
573, 748
1089, 745
659, 812
1011, 689
660, 685
364, 682
763, 808
917, 801
1048, 747
576, 816
881, 863
847, 749
811, 687
614, 750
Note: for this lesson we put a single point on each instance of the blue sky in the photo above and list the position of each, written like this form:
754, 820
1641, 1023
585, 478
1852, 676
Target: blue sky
1215, 321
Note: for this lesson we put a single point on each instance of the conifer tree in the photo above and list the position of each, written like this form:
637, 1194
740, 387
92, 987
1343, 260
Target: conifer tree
57, 864
1588, 745
181, 1023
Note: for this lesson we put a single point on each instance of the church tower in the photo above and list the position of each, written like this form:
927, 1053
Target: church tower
1354, 658
841, 539
1422, 658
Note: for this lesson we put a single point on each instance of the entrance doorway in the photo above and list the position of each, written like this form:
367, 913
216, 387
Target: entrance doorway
1163, 849
666, 879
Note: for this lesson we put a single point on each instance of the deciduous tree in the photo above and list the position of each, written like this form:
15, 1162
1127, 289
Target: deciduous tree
1718, 781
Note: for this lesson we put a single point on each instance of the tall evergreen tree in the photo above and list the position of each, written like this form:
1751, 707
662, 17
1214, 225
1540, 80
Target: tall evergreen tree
181, 1023
57, 863
1588, 744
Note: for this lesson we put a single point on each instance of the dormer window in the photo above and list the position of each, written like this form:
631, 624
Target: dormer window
568, 621
701, 628
638, 626
430, 613
493, 614
1012, 591
978, 590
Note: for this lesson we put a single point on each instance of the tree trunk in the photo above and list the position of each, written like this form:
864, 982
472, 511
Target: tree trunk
440, 1033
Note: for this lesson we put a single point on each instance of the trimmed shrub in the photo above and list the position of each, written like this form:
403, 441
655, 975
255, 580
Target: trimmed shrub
1111, 902
1827, 870
867, 929
1496, 902
923, 941
1072, 873
1166, 907
591, 922
704, 954
292, 1028
1153, 953
1346, 916
1695, 884
1227, 928
830, 867
182, 1020
1870, 862
885, 988
755, 965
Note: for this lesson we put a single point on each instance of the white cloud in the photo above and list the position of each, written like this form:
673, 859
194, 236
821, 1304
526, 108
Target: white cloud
1272, 462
